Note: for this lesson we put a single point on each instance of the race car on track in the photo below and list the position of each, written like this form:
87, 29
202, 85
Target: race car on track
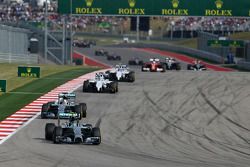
197, 66
101, 52
113, 56
172, 64
72, 132
81, 43
135, 61
64, 107
100, 84
120, 73
153, 66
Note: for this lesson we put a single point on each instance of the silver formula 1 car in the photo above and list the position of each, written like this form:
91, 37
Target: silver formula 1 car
172, 64
72, 132
120, 73
100, 84
64, 107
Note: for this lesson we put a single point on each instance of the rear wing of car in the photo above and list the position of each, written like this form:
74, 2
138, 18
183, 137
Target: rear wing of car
157, 60
67, 95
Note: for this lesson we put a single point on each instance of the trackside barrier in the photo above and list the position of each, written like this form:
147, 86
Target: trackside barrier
174, 48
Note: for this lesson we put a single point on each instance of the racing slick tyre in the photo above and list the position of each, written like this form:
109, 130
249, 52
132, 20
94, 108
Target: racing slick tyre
113, 87
131, 76
112, 77
58, 131
163, 68
45, 108
116, 86
96, 132
49, 128
80, 112
178, 67
189, 66
85, 86
84, 110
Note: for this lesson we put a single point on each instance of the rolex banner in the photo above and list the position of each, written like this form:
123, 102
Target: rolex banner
32, 72
223, 8
2, 86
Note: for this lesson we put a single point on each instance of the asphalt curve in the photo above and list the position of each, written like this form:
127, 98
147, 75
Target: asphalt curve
172, 119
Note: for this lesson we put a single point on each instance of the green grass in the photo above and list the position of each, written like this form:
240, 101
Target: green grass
9, 73
11, 102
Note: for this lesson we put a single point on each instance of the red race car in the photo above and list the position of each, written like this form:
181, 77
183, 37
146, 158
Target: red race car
153, 66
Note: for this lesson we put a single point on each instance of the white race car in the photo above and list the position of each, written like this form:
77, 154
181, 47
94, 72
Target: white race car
120, 73
100, 84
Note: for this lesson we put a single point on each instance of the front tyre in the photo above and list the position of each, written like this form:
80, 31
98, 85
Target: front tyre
96, 132
57, 133
49, 129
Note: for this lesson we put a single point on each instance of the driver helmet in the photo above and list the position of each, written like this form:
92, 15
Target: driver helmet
61, 100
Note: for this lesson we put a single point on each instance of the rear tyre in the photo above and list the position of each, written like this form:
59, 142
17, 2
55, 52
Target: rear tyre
178, 67
163, 68
96, 132
49, 129
45, 108
116, 86
84, 110
79, 110
113, 87
85, 86
57, 133
131, 76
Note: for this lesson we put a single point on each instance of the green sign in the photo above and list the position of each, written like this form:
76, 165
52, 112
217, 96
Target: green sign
225, 43
32, 72
2, 85
224, 8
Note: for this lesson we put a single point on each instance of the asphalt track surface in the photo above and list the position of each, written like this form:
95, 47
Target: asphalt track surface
172, 119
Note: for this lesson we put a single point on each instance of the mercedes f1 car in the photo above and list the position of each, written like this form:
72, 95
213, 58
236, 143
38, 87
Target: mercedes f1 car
101, 52
172, 64
135, 61
120, 73
113, 56
153, 66
64, 107
100, 84
196, 66
73, 132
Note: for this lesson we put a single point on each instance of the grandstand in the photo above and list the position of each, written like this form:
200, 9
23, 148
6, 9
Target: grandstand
30, 14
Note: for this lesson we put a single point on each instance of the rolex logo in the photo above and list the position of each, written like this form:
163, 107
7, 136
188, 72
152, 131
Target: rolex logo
131, 3
219, 4
28, 70
89, 3
175, 3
